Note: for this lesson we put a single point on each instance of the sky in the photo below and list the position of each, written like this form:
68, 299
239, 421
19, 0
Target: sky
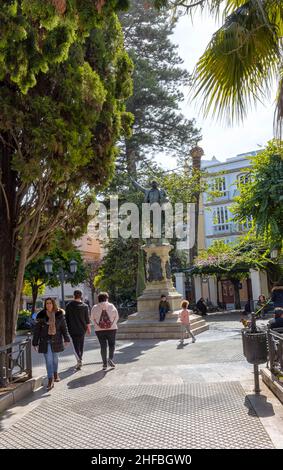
218, 140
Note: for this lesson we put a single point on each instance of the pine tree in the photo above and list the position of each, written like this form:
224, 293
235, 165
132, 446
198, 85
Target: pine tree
158, 80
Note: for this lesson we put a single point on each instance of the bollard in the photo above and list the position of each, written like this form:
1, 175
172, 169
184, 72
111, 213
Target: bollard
255, 348
256, 379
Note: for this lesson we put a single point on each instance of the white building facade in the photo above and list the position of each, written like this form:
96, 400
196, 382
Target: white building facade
223, 179
216, 224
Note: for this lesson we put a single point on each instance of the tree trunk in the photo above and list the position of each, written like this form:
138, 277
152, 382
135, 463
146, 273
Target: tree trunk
7, 245
196, 153
130, 160
34, 290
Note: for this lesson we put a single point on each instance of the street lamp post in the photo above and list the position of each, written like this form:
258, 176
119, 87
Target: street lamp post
62, 275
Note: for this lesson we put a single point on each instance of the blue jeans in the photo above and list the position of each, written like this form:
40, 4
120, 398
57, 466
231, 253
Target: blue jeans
51, 360
162, 313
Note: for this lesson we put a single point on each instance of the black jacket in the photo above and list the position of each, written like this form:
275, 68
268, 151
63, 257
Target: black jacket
41, 336
277, 296
276, 323
77, 318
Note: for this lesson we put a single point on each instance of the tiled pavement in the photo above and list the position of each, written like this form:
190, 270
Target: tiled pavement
95, 416
159, 396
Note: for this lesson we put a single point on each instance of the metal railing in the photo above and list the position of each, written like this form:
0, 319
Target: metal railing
275, 347
15, 362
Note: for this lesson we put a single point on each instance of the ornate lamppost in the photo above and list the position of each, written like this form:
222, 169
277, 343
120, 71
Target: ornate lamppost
63, 276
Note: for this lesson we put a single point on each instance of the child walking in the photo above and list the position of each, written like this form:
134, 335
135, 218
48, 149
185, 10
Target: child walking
184, 317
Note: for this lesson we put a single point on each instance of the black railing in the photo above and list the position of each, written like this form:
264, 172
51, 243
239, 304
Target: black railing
15, 362
275, 346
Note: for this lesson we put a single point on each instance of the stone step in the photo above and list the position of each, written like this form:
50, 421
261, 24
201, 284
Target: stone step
170, 317
156, 327
156, 335
152, 316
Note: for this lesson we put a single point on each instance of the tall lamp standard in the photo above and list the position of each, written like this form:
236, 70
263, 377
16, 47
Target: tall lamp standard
62, 275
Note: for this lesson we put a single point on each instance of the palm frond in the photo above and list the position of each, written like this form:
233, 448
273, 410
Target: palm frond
239, 64
278, 117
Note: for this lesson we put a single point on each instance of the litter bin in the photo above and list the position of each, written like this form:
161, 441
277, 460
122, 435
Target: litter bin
255, 346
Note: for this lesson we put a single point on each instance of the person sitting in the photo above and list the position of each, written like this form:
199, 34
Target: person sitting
247, 308
277, 321
164, 307
277, 296
262, 306
201, 306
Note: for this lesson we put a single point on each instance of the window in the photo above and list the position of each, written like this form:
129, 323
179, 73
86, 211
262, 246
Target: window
219, 184
244, 226
220, 219
244, 178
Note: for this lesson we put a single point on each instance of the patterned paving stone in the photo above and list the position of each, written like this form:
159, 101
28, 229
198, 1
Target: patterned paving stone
197, 415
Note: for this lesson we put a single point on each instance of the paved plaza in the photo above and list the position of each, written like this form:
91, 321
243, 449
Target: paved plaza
161, 395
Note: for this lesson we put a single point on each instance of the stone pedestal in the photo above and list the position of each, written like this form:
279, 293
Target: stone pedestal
159, 280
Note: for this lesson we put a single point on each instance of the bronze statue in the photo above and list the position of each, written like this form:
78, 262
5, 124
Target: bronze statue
153, 194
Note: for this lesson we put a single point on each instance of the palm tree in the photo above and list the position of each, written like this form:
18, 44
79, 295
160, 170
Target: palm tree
243, 58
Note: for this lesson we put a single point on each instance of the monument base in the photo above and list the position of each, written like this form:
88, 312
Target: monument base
145, 326
159, 281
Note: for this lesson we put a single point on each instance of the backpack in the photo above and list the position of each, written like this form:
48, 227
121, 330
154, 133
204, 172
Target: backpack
104, 321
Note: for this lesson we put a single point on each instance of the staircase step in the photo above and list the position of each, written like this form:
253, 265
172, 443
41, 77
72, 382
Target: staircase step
156, 328
129, 334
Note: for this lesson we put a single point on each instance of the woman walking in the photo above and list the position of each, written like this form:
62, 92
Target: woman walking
184, 318
105, 317
49, 332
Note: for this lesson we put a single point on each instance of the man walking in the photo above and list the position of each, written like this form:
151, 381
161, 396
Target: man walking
78, 322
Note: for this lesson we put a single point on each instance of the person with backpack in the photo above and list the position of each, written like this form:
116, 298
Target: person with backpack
105, 317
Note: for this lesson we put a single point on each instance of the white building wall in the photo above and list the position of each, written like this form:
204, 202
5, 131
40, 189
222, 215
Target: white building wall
231, 169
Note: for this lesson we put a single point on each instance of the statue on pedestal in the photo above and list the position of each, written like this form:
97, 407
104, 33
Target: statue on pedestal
154, 195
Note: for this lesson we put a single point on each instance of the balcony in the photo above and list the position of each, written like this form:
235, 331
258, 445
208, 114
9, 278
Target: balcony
222, 196
229, 228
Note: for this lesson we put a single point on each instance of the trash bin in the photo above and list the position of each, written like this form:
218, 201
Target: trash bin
255, 346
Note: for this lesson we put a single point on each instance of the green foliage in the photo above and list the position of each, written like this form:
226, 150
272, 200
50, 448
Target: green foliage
262, 197
243, 57
158, 77
24, 313
158, 126
184, 188
233, 260
35, 273
64, 79
118, 272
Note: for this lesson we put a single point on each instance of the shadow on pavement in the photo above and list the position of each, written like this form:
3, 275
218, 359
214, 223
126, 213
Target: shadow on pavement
182, 345
258, 404
85, 380
132, 351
